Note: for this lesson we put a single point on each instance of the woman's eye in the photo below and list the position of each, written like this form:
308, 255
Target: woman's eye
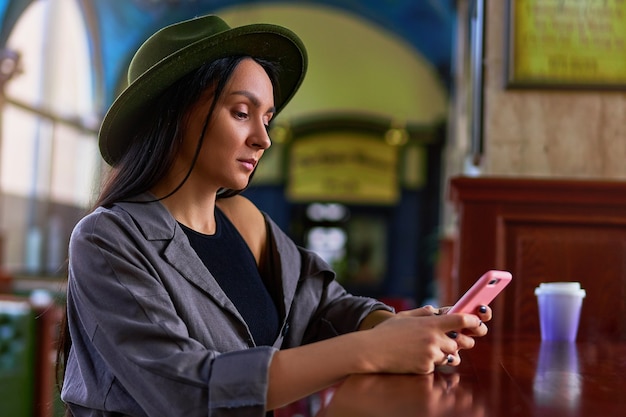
241, 115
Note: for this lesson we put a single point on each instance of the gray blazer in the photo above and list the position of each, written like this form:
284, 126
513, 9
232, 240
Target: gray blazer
152, 332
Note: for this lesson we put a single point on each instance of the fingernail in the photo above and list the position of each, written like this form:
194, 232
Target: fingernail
482, 309
452, 334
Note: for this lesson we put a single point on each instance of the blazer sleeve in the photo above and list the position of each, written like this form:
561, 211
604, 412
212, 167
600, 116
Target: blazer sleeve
132, 354
337, 311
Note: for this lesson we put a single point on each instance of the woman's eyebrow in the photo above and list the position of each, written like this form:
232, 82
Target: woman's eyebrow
254, 99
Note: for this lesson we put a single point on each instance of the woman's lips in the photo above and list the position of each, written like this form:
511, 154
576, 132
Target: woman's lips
248, 163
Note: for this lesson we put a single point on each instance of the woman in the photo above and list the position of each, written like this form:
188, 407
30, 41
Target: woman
183, 298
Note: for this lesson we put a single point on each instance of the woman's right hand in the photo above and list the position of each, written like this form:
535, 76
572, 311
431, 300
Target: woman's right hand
416, 341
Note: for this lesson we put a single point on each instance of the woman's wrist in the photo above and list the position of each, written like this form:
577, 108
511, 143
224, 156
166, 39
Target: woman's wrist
375, 318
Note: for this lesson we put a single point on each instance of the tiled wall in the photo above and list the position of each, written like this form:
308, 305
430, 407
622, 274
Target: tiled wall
542, 132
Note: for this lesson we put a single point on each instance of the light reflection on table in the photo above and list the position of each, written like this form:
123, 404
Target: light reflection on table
558, 382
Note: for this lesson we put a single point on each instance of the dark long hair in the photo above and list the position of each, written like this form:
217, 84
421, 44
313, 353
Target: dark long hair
153, 147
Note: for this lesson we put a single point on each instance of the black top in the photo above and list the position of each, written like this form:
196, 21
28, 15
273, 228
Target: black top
231, 262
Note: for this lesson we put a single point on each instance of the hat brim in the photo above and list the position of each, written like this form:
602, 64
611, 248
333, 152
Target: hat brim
270, 42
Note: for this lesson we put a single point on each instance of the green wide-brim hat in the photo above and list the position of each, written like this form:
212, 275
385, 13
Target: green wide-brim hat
181, 48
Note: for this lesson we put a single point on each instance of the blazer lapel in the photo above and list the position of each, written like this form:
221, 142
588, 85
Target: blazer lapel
287, 262
156, 223
183, 258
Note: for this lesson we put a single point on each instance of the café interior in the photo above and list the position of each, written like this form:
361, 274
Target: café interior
431, 141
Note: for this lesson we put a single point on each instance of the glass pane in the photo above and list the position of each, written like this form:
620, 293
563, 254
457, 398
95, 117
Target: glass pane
49, 161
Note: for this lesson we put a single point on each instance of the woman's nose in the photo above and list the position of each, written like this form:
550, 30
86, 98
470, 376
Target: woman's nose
261, 137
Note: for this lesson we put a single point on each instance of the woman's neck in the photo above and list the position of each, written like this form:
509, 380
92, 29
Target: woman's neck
189, 206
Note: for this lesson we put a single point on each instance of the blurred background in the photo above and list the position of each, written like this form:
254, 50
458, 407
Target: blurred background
400, 97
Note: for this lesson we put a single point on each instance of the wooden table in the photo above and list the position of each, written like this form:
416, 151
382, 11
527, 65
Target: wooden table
514, 376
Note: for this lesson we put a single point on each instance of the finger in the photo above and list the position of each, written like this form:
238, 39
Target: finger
420, 312
479, 331
465, 342
444, 310
429, 310
450, 359
485, 313
462, 341
458, 321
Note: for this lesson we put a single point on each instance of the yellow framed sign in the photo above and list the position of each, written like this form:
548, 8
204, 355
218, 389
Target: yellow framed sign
343, 167
566, 43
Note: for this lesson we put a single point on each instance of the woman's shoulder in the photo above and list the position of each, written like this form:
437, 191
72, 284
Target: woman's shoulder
152, 220
99, 215
248, 220
99, 224
239, 208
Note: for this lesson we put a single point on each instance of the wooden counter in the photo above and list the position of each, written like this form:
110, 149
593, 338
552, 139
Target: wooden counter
513, 376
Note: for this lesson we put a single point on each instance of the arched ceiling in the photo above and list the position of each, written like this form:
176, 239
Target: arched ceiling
390, 56
354, 67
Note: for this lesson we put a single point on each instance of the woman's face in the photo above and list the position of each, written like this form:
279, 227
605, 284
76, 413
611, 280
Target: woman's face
237, 133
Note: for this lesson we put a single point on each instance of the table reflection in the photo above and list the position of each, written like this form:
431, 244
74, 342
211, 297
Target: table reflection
558, 382
435, 395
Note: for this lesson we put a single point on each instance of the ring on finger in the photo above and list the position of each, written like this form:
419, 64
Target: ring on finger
449, 358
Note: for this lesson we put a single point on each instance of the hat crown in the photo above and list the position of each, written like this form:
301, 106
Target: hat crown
178, 49
172, 39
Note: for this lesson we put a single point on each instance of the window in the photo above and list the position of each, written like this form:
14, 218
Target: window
49, 160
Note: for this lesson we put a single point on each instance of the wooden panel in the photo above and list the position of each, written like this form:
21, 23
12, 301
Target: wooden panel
543, 250
544, 230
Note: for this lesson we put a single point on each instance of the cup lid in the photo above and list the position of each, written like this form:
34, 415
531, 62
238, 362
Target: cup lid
560, 288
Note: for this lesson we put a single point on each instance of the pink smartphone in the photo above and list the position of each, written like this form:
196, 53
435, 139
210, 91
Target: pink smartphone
484, 290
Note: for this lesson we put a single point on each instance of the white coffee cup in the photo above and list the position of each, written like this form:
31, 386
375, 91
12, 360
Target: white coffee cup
559, 305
